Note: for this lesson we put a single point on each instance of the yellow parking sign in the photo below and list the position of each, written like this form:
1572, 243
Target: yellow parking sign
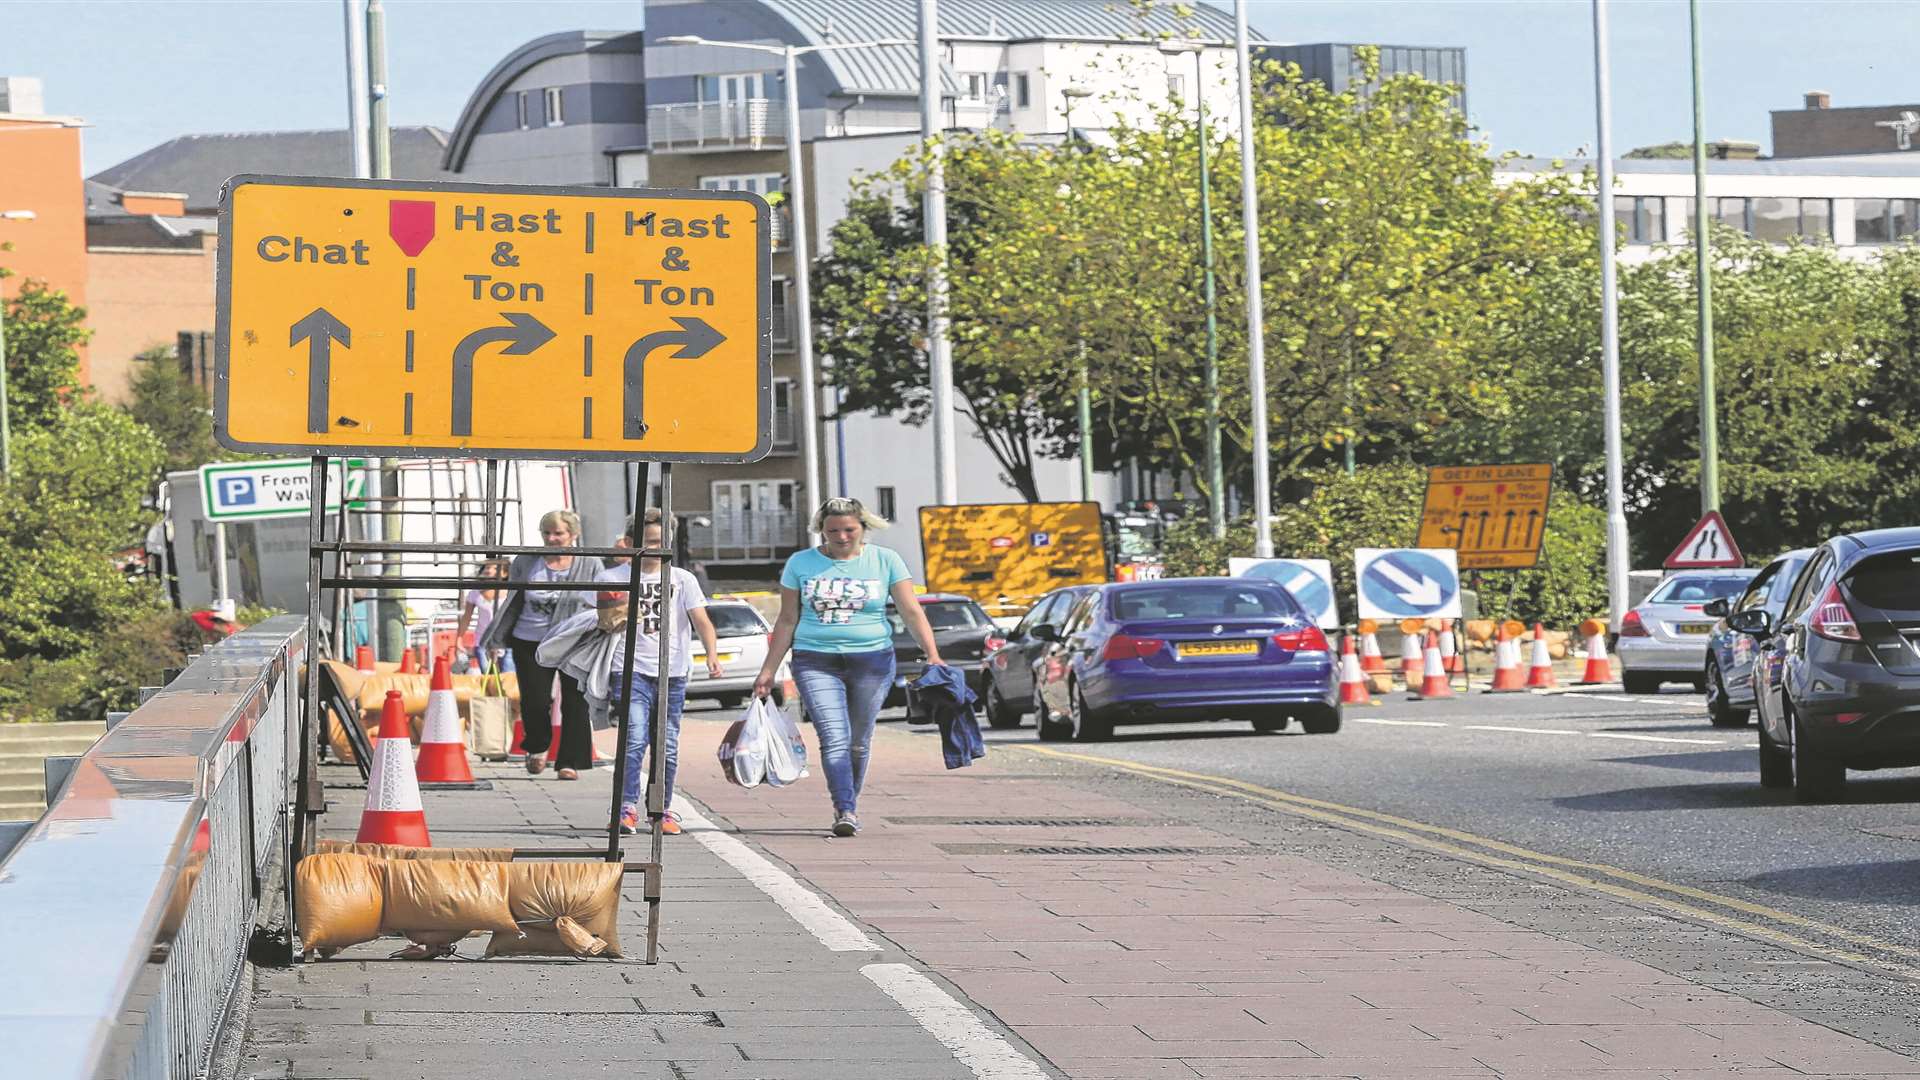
401, 318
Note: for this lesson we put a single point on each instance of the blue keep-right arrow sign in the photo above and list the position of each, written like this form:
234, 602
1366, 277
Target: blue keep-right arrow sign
1408, 582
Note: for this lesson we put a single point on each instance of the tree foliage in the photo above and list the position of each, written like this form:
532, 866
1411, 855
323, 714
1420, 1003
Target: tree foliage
176, 409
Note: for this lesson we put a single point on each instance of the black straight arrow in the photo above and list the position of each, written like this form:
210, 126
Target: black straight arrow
1480, 538
524, 334
319, 330
695, 338
1533, 522
1506, 537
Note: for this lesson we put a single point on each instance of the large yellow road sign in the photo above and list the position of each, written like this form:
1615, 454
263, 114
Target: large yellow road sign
1494, 516
422, 319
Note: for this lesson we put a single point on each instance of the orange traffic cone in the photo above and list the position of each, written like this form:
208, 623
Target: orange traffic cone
443, 748
393, 814
1507, 674
1353, 681
1540, 665
363, 659
406, 662
1433, 681
1599, 669
1412, 664
1370, 658
1450, 657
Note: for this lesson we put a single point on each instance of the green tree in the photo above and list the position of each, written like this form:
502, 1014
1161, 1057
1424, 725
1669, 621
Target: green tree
44, 332
176, 409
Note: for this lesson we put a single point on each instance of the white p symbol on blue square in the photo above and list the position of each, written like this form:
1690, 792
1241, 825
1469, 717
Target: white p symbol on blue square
236, 491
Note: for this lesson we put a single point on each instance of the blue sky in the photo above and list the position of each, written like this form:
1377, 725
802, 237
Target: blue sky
144, 71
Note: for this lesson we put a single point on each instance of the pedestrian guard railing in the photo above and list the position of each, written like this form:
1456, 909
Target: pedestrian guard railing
128, 912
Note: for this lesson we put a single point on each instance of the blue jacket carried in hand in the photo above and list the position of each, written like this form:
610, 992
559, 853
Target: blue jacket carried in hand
948, 697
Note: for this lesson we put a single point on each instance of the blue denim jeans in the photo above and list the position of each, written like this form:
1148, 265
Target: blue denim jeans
843, 693
640, 731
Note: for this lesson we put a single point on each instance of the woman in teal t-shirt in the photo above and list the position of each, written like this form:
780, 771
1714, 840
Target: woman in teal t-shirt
833, 614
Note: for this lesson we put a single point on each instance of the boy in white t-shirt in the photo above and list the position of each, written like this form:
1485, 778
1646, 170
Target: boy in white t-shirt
688, 614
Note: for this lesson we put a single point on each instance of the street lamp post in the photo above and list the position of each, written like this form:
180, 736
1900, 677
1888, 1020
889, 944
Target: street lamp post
1703, 273
1070, 95
796, 193
1216, 476
1256, 331
6, 430
1609, 325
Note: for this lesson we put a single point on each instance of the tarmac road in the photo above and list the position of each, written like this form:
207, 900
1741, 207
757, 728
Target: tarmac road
1633, 799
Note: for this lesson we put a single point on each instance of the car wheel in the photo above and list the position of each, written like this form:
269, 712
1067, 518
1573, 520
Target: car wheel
729, 702
1641, 683
1088, 726
998, 714
1775, 770
1320, 720
1268, 725
1719, 712
1050, 727
1816, 777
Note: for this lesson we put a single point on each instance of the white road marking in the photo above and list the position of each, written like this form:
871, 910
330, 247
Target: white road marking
1523, 730
1398, 723
833, 929
958, 1028
1654, 738
985, 1053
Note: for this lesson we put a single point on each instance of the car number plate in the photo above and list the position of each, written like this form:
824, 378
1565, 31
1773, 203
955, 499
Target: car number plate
1696, 628
1219, 648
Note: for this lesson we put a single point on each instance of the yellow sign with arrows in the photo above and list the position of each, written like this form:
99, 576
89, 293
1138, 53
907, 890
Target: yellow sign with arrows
399, 318
1493, 516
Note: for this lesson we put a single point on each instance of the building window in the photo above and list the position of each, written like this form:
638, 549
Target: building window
1023, 90
976, 85
1734, 213
783, 412
520, 109
1176, 85
1883, 221
1780, 220
1640, 218
884, 503
555, 102
762, 184
782, 312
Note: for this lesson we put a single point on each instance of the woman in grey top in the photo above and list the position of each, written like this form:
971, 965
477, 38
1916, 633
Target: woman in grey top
520, 625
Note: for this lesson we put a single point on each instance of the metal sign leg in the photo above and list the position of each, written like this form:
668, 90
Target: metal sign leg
656, 787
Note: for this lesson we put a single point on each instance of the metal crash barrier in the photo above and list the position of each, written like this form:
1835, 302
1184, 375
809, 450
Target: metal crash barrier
128, 911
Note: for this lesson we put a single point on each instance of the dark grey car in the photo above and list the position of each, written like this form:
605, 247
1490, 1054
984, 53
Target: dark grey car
1837, 678
1730, 654
1010, 684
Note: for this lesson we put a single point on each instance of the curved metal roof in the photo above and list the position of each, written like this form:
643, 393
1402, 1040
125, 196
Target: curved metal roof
565, 43
895, 69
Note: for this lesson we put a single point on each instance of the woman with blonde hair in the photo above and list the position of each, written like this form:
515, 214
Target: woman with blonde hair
525, 620
833, 615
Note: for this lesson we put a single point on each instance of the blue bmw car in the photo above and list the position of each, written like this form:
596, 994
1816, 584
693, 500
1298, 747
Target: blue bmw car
1155, 652
1730, 654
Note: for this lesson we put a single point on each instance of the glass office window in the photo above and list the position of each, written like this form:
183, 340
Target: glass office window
1870, 221
1816, 219
1776, 220
1733, 213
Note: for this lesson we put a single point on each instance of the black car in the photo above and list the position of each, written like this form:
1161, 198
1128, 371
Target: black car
1010, 688
964, 633
1837, 676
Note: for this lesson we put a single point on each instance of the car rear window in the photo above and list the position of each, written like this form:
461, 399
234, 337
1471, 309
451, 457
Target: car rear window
1890, 582
1201, 601
735, 620
943, 615
1699, 590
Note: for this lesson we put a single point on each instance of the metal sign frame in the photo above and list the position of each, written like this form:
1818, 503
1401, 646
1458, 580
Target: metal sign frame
223, 323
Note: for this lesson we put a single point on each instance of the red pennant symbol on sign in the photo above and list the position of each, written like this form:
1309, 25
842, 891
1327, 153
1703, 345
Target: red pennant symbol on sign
410, 223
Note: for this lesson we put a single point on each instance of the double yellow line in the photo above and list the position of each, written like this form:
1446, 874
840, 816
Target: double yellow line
1755, 920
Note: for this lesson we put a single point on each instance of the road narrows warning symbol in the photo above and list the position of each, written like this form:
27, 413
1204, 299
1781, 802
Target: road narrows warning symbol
1708, 545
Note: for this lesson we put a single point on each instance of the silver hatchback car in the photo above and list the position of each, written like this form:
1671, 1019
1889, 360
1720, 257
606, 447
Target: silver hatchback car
1665, 638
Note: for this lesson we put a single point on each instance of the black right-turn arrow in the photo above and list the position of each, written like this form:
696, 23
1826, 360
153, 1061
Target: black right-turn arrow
695, 338
319, 330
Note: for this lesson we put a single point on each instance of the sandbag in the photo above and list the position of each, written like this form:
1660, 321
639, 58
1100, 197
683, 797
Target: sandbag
338, 901
407, 851
563, 909
440, 901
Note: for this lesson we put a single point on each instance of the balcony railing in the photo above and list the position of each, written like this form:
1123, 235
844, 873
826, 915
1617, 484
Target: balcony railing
746, 536
749, 124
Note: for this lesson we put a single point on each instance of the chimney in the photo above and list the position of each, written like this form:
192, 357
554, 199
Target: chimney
1819, 99
21, 96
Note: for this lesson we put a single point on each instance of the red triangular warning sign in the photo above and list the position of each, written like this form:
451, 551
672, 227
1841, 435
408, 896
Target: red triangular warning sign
1709, 544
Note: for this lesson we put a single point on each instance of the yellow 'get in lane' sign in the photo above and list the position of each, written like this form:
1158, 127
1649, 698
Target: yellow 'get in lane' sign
401, 318
1493, 516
